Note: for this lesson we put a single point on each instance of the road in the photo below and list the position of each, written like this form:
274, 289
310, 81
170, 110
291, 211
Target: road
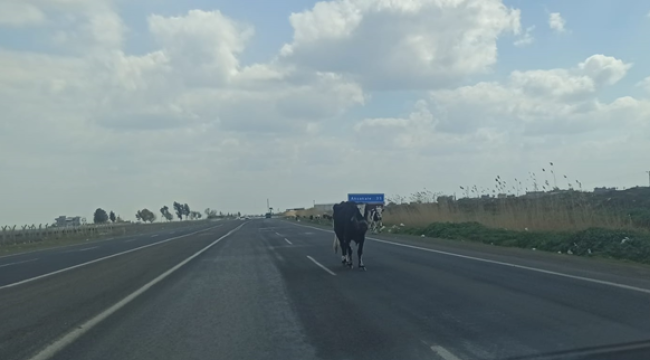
272, 289
18, 267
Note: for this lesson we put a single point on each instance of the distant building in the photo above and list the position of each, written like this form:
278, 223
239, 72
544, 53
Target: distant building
323, 208
502, 195
534, 194
63, 221
296, 209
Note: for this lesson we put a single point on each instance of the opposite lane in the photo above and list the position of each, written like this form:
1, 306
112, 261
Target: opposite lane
20, 267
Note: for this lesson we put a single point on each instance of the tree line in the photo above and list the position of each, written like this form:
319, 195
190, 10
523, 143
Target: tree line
145, 215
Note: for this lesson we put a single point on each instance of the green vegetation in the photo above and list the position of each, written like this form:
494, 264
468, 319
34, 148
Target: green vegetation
609, 243
100, 216
145, 215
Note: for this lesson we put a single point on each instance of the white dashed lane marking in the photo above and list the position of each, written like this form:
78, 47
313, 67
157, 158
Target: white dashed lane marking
18, 262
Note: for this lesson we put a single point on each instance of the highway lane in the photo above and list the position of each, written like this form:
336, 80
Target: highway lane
19, 267
272, 290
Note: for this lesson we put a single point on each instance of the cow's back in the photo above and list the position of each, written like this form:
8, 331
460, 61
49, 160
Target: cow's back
343, 215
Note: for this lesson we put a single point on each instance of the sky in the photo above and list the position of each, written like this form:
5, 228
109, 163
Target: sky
124, 105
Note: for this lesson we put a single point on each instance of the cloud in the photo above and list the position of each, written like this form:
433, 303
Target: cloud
18, 14
429, 44
94, 116
526, 38
530, 104
644, 84
203, 45
556, 22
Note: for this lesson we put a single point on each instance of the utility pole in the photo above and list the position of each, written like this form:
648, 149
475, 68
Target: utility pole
267, 204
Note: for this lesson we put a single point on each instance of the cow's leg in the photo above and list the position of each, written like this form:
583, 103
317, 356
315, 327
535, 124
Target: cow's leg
336, 244
349, 255
360, 254
344, 251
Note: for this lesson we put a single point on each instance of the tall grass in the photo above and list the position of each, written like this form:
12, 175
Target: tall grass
537, 203
512, 213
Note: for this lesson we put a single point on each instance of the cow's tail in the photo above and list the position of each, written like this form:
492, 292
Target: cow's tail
336, 244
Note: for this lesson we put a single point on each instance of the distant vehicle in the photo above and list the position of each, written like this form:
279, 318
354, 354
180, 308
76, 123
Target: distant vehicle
246, 218
268, 215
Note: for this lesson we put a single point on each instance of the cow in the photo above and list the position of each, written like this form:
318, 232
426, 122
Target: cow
373, 214
349, 225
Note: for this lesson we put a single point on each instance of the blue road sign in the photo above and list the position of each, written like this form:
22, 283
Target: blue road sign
367, 198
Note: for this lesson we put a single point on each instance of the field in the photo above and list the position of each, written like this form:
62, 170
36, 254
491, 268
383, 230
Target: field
556, 210
32, 239
609, 224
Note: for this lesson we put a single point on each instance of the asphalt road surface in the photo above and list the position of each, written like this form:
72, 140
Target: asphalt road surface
272, 289
23, 266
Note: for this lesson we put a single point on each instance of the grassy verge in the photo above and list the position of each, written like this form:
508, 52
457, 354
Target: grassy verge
592, 242
621, 244
74, 239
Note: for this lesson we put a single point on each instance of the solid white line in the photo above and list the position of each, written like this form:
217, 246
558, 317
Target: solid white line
78, 331
153, 236
100, 259
543, 271
278, 234
443, 353
287, 240
18, 262
321, 265
90, 248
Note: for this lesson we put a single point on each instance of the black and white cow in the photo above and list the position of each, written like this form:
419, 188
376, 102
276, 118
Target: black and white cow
373, 214
349, 225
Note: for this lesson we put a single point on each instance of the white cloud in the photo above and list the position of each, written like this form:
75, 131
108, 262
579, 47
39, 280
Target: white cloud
203, 45
644, 84
428, 44
537, 101
525, 39
556, 22
120, 118
605, 70
531, 103
18, 13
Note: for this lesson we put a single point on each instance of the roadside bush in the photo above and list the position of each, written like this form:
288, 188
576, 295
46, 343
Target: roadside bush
619, 244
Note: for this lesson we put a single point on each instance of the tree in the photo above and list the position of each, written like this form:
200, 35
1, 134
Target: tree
238, 214
210, 214
180, 211
165, 213
195, 215
145, 215
100, 216
112, 217
186, 210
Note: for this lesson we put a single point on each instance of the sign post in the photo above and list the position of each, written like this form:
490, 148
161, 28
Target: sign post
367, 198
